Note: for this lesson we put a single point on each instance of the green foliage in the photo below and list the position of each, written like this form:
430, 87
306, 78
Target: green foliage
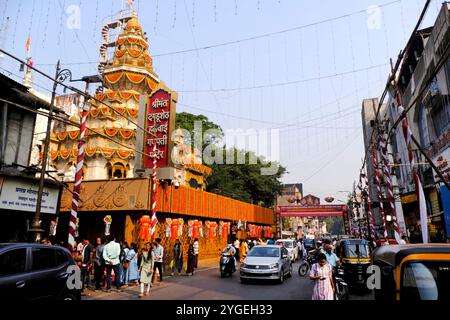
239, 181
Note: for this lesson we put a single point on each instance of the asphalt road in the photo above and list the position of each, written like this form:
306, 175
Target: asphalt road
206, 284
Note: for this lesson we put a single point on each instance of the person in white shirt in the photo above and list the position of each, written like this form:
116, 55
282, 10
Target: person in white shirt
196, 252
159, 255
111, 255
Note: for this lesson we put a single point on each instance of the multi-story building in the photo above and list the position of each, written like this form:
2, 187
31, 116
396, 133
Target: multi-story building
424, 83
371, 122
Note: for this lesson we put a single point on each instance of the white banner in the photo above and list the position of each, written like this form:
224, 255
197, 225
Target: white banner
17, 194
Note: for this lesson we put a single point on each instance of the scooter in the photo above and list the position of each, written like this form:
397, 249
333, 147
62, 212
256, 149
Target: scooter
340, 285
227, 264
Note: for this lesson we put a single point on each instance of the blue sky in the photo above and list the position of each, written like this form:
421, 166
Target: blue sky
308, 82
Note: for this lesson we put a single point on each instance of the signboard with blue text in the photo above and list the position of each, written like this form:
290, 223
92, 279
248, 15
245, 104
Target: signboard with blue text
21, 195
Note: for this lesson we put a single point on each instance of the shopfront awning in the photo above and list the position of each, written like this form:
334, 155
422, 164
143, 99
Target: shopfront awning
410, 198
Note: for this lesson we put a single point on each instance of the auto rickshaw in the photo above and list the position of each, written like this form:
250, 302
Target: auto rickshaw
413, 272
355, 258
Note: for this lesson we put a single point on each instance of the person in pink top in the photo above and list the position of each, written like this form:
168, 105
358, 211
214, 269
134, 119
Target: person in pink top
322, 275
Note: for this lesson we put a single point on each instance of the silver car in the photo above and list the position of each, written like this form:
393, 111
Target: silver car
270, 262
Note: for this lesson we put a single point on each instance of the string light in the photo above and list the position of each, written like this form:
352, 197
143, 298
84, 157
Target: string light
46, 25
15, 24
174, 13
193, 13
156, 15
95, 22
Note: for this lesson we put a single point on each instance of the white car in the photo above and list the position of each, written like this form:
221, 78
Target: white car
291, 246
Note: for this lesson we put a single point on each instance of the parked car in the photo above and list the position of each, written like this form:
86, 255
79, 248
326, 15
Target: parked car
291, 246
269, 262
31, 271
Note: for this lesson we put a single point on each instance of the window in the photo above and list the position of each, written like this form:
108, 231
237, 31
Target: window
441, 118
426, 281
13, 262
44, 258
116, 171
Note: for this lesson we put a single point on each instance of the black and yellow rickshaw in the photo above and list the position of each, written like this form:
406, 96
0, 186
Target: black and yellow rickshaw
413, 272
354, 255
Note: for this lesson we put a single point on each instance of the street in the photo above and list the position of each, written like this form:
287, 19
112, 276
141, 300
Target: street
206, 284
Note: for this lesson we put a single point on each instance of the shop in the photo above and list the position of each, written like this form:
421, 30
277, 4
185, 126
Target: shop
18, 195
183, 213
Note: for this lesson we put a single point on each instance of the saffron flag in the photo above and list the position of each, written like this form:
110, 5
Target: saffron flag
27, 46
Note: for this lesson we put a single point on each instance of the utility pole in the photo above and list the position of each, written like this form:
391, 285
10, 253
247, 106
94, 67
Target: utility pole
36, 230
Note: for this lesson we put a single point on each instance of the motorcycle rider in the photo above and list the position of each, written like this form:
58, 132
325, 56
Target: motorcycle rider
232, 251
332, 258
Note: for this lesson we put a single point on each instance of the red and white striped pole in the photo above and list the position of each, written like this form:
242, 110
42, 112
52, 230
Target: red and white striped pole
378, 185
417, 183
369, 209
389, 187
78, 179
154, 219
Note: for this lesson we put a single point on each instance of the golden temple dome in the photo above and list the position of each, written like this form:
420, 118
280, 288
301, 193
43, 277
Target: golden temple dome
133, 23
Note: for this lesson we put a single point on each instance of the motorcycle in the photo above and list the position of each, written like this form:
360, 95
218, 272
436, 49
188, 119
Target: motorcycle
227, 264
341, 287
306, 264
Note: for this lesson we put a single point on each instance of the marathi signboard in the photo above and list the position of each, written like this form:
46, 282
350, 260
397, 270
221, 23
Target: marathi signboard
21, 195
158, 122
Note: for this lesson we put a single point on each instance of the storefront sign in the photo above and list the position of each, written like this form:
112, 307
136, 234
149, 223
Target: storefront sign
20, 195
158, 122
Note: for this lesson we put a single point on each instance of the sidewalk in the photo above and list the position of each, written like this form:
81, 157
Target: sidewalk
203, 265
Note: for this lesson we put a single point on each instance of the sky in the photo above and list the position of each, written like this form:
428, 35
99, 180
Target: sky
294, 68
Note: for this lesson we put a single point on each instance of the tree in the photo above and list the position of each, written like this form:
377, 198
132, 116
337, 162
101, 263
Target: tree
211, 132
241, 181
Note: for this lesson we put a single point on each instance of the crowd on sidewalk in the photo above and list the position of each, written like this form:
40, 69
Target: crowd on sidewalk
110, 262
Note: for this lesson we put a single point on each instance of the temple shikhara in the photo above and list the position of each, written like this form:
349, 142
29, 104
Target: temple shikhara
131, 121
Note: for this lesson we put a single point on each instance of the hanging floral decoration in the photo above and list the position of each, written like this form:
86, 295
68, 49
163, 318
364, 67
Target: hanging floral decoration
180, 227
107, 220
145, 227
53, 226
167, 225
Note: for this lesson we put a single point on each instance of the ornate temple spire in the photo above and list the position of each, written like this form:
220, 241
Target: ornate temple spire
132, 66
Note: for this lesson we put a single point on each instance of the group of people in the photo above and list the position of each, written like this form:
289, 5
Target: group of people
130, 266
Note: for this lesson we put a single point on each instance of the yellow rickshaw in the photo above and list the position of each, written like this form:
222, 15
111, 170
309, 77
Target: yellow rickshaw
413, 272
354, 255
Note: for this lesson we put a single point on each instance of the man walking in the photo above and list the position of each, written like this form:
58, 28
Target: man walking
196, 252
99, 264
159, 255
86, 264
111, 254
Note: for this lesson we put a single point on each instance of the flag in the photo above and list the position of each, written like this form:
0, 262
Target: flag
422, 208
27, 46
30, 61
130, 3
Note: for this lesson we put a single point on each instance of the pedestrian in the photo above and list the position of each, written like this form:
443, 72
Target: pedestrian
132, 270
243, 248
99, 264
236, 248
111, 254
191, 260
196, 250
87, 255
322, 275
123, 264
300, 248
159, 255
177, 257
145, 268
